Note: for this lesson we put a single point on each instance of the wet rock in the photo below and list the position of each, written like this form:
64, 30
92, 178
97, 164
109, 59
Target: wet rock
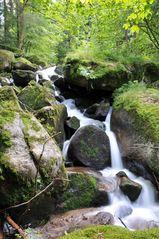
53, 118
97, 111
129, 187
54, 78
123, 211
72, 125
60, 83
22, 77
6, 59
90, 147
23, 64
4, 81
140, 223
58, 225
84, 102
59, 70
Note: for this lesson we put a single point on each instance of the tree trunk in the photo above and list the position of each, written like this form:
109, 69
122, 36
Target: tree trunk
5, 22
20, 24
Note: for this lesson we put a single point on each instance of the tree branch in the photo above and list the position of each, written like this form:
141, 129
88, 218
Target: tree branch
36, 196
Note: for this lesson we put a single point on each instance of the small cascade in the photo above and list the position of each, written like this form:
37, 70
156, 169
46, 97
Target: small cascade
116, 160
137, 215
65, 149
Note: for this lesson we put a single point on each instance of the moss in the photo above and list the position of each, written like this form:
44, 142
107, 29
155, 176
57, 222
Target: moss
52, 118
26, 117
35, 96
112, 232
81, 191
7, 55
89, 151
96, 75
143, 105
22, 60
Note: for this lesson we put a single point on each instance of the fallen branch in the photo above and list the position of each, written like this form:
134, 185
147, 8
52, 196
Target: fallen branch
16, 226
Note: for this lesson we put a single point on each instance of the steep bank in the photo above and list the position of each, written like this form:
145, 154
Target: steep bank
136, 124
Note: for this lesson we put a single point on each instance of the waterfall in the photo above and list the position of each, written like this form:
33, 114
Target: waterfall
138, 215
116, 160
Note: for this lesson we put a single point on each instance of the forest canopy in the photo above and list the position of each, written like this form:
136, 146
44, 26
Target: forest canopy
114, 29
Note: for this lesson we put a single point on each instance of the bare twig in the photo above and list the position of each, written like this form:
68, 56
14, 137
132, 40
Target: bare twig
40, 157
122, 222
157, 182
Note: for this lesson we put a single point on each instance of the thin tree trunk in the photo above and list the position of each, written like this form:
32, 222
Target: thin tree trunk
5, 22
20, 24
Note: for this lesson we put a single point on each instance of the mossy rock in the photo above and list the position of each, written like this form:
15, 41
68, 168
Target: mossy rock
21, 63
112, 232
6, 58
136, 124
82, 192
23, 77
129, 187
53, 118
96, 75
35, 96
81, 152
25, 146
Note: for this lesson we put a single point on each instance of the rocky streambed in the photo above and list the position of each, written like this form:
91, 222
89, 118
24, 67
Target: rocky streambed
41, 125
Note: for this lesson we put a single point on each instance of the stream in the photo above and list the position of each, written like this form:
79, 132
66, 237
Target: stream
144, 212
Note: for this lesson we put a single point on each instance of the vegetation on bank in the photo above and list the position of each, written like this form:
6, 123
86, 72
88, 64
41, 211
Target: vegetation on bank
143, 103
112, 232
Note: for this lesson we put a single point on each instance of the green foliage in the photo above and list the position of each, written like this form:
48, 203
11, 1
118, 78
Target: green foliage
112, 232
143, 103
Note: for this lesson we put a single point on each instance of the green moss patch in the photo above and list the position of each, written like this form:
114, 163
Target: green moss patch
96, 75
35, 96
112, 232
81, 192
143, 104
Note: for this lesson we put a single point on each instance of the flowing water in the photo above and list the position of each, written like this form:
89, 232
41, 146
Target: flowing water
144, 213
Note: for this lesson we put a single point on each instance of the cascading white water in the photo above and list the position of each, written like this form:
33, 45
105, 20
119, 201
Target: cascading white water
141, 214
116, 161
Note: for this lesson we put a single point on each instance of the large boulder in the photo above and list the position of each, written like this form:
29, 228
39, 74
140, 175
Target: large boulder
23, 77
94, 75
129, 187
135, 121
86, 188
90, 147
53, 119
29, 158
35, 96
6, 59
